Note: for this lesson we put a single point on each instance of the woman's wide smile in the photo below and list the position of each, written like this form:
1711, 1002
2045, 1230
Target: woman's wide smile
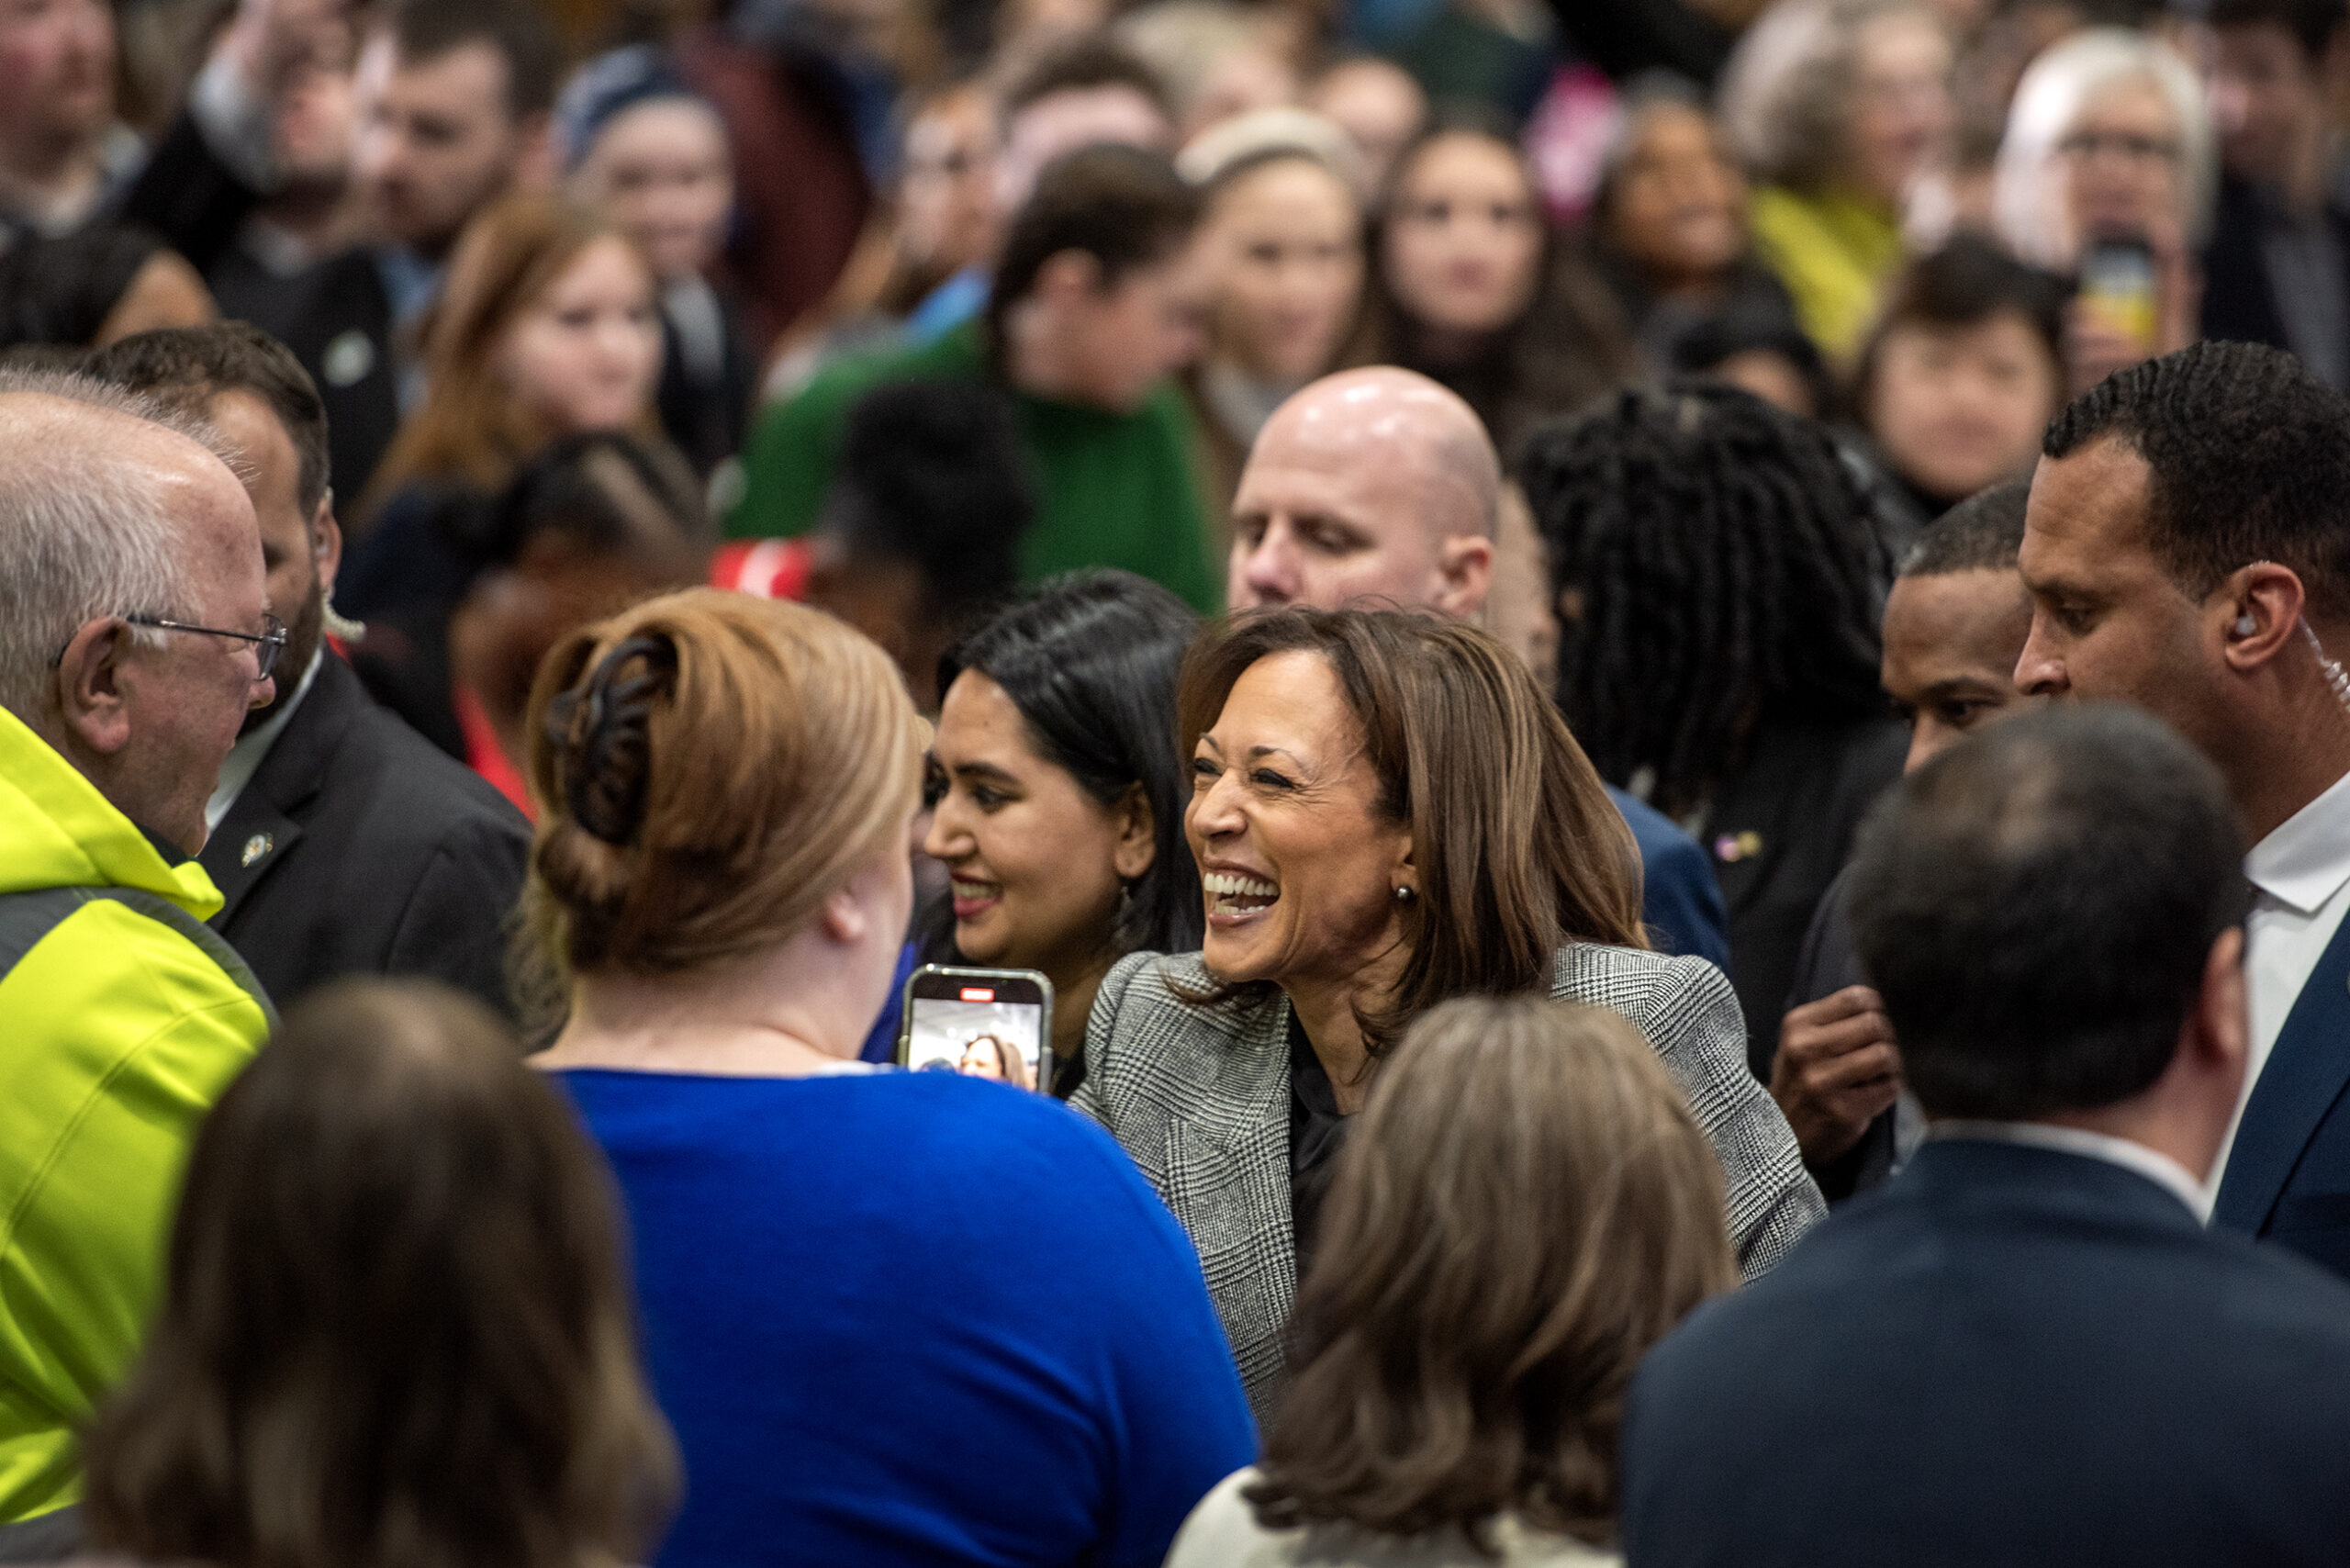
1235, 897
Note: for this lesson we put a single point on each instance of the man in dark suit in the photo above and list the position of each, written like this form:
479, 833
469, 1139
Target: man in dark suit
1953, 624
2187, 548
2277, 269
344, 842
2025, 1348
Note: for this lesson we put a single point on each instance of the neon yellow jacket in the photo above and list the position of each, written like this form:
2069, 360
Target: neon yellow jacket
116, 1035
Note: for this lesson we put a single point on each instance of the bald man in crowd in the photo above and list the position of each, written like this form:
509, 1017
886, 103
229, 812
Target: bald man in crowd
135, 635
1380, 489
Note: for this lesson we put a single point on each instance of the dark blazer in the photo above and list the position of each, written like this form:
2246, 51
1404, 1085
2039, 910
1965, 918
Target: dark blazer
189, 197
2240, 303
1681, 903
2287, 1179
1779, 832
2005, 1355
338, 321
1826, 965
707, 421
357, 848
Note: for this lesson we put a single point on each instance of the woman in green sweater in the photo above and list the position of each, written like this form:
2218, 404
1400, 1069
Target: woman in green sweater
1098, 298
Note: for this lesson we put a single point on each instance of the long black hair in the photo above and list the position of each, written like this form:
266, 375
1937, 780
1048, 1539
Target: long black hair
1089, 659
1718, 565
1569, 347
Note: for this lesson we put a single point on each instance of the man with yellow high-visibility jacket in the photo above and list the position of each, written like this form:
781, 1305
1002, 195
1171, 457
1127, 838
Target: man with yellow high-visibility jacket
134, 634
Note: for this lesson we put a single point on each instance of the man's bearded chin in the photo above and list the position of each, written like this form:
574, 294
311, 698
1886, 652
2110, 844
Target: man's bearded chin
302, 635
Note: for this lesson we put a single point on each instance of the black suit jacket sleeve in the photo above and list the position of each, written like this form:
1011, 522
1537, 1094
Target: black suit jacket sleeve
1827, 964
189, 197
477, 871
358, 848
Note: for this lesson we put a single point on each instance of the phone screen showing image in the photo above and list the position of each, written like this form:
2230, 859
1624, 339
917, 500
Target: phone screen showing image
2119, 289
980, 1023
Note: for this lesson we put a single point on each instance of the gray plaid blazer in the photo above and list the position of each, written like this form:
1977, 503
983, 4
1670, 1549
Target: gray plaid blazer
1199, 1097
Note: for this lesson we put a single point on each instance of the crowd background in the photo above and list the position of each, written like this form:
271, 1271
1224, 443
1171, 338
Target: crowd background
1391, 550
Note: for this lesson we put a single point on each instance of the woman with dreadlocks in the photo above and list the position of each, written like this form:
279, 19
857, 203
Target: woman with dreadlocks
1718, 576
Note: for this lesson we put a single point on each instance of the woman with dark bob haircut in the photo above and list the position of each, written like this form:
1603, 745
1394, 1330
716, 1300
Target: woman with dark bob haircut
1387, 812
1524, 1209
1059, 814
396, 1327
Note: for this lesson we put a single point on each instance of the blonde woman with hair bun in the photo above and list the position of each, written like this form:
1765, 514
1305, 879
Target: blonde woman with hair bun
726, 789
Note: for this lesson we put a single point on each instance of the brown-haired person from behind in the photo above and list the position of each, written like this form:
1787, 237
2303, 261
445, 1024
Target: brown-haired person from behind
727, 790
1387, 812
1097, 299
1471, 286
1525, 1207
547, 326
396, 1325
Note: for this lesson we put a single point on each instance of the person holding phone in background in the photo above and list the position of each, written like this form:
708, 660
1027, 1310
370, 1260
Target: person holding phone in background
2107, 174
727, 790
1055, 779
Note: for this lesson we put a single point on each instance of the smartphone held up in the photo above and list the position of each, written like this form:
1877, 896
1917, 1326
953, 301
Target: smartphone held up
980, 1022
2119, 291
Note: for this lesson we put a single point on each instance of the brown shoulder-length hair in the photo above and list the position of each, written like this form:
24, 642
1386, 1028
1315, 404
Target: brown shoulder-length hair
471, 428
1518, 848
1522, 1208
709, 769
1569, 349
396, 1328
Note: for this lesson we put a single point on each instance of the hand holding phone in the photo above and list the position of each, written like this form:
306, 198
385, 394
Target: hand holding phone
980, 1022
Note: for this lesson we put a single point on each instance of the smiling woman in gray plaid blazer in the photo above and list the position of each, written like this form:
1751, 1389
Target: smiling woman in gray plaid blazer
1386, 812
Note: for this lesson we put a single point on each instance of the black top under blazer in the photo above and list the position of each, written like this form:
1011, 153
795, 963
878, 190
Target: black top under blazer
1199, 1095
2007, 1354
358, 848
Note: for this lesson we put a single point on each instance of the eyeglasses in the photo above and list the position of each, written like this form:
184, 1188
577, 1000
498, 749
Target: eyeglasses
265, 643
2123, 145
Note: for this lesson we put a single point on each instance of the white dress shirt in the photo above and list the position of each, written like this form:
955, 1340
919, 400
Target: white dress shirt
2160, 1169
2301, 879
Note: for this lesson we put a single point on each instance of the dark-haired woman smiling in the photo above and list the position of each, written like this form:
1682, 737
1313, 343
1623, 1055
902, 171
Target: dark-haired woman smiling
1387, 812
1056, 785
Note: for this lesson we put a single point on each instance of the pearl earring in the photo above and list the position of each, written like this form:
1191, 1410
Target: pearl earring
1403, 895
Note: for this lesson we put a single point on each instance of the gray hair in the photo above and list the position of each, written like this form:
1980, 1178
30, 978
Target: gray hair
83, 534
2028, 198
1786, 93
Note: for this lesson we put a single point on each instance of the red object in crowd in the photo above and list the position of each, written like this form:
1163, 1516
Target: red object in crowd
770, 569
483, 753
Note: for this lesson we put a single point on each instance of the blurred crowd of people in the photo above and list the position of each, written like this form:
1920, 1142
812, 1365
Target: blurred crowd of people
1656, 681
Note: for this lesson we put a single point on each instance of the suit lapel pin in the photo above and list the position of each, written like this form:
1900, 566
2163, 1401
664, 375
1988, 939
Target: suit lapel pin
255, 847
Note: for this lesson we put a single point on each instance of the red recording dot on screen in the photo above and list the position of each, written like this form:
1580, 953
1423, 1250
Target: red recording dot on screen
978, 993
